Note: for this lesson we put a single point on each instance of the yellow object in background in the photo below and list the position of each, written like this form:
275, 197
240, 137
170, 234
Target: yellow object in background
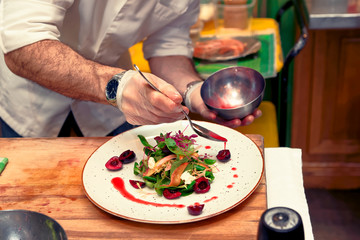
265, 125
137, 57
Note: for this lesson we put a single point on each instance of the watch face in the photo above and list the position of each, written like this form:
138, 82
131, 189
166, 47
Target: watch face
111, 89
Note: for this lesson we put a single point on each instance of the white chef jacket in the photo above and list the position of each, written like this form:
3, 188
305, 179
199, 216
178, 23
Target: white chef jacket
100, 30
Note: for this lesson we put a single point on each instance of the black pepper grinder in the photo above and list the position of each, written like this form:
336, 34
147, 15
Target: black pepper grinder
280, 223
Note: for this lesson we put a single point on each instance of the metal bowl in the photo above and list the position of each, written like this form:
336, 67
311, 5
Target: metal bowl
23, 224
233, 92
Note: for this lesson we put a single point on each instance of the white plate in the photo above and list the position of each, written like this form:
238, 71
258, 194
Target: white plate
236, 180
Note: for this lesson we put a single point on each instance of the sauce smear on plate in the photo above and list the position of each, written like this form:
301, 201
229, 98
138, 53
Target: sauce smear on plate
120, 186
208, 200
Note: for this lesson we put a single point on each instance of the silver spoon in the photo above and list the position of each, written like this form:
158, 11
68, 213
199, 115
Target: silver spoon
201, 131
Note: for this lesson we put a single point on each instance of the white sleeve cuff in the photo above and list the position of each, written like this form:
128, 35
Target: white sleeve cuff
124, 80
188, 93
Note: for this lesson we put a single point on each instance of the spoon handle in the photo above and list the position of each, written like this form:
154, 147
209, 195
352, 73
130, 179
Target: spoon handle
152, 85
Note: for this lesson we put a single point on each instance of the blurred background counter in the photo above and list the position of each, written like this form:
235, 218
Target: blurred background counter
334, 14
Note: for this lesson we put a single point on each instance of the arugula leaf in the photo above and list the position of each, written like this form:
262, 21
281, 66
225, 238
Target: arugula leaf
148, 151
199, 168
159, 191
161, 145
189, 167
177, 163
149, 184
209, 161
158, 154
160, 181
188, 190
185, 193
191, 185
171, 144
136, 169
210, 175
144, 141
151, 179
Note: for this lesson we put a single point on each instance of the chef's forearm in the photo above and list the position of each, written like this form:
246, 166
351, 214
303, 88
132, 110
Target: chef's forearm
177, 70
56, 66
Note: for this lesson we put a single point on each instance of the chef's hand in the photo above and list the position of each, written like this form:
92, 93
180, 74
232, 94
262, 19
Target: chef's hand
142, 105
196, 104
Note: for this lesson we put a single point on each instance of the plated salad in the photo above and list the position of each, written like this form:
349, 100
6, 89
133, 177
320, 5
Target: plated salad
173, 167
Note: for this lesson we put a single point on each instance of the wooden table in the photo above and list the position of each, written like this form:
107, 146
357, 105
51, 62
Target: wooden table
44, 175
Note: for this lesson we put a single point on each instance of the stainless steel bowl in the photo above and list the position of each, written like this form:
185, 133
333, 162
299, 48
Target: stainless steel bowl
23, 224
233, 92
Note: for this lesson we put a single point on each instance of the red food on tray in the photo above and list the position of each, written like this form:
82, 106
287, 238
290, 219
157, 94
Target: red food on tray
219, 48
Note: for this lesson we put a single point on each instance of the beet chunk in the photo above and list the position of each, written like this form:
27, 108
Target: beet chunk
195, 209
113, 164
202, 185
223, 155
127, 156
137, 184
171, 194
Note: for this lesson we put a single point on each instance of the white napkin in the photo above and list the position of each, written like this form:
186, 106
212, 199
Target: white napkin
284, 181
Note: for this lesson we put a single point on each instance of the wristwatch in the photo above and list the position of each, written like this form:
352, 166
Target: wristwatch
112, 87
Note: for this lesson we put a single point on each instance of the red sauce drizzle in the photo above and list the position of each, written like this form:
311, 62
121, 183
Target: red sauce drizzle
208, 200
229, 186
207, 147
218, 137
236, 176
120, 186
234, 168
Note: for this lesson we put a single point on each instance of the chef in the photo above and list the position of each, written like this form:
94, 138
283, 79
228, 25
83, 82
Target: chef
70, 58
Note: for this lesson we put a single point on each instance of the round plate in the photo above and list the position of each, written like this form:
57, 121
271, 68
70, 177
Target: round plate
235, 180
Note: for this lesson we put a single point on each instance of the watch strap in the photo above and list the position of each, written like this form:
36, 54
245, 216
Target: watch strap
189, 89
